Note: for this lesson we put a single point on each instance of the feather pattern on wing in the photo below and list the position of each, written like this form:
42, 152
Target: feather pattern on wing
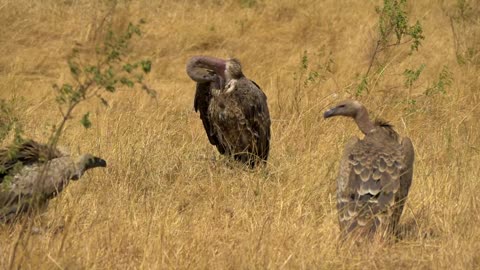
233, 109
35, 182
375, 175
203, 96
242, 121
25, 153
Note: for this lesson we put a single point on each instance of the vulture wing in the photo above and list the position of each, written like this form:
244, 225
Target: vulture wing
369, 184
27, 153
253, 103
241, 120
405, 179
344, 198
203, 96
35, 185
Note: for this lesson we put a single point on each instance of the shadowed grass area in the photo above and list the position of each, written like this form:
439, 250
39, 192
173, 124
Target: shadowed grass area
163, 202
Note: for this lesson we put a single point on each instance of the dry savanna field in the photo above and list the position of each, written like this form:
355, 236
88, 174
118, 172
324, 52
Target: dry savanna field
163, 201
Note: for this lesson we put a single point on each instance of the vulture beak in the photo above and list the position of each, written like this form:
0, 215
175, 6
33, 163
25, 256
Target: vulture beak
94, 162
99, 162
329, 113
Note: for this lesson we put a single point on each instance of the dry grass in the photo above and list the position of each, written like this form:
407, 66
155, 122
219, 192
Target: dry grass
162, 203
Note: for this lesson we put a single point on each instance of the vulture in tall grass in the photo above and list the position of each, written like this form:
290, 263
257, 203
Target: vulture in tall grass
375, 174
31, 174
233, 109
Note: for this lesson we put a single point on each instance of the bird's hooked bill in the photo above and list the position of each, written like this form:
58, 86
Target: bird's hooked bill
329, 113
99, 162
94, 162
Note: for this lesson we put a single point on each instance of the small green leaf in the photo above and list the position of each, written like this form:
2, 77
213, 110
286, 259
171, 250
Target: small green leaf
362, 86
305, 60
137, 31
412, 75
146, 66
74, 69
91, 69
66, 89
114, 55
128, 67
85, 121
75, 96
126, 82
60, 99
110, 88
110, 73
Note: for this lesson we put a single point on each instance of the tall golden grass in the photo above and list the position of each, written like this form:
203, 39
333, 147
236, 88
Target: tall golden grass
163, 203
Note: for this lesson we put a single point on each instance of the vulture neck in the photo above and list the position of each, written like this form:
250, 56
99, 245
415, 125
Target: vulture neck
363, 121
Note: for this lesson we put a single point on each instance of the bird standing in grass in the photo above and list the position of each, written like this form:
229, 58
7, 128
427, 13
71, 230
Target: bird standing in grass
375, 174
32, 174
233, 109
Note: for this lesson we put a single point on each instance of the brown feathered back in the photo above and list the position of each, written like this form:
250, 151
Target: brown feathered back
233, 109
42, 176
241, 121
25, 153
375, 175
203, 96
387, 128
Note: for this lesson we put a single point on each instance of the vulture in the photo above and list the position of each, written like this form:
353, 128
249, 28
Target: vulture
32, 173
233, 109
375, 174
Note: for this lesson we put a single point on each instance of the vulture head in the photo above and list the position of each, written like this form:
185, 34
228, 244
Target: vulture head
205, 69
86, 162
355, 110
349, 108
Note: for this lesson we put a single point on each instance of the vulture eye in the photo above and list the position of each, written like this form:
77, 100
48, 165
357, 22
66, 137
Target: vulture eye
341, 106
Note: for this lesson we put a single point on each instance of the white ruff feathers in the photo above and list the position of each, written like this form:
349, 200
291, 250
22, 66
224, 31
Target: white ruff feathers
230, 86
